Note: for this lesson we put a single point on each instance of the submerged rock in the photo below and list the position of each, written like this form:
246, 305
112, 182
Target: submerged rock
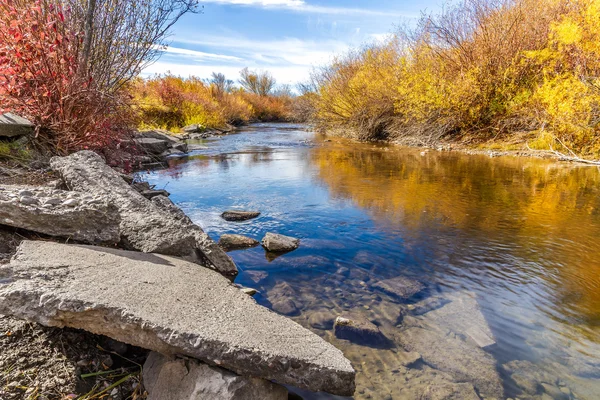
401, 287
277, 243
238, 216
170, 306
323, 319
236, 242
429, 304
179, 379
148, 226
360, 330
464, 361
463, 315
59, 213
450, 391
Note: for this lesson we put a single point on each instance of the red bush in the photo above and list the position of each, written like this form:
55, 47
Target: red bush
39, 79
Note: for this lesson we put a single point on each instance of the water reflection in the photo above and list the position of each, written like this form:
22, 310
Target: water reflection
510, 242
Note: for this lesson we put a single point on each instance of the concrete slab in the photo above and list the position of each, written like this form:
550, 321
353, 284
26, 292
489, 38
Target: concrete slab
170, 306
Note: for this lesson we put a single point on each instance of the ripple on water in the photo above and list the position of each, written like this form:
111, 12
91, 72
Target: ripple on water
518, 235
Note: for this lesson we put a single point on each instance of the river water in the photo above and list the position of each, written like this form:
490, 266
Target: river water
509, 247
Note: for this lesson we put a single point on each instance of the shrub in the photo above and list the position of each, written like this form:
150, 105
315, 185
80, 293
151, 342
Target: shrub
485, 68
39, 79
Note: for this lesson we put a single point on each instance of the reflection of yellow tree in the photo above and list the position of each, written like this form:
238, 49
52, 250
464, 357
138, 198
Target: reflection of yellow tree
547, 207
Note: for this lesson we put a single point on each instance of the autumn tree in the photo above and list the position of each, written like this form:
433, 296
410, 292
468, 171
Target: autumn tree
260, 83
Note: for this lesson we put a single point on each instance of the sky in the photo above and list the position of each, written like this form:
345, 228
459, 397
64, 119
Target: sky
285, 37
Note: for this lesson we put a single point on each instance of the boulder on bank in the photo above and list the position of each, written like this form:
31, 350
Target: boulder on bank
239, 216
277, 243
153, 146
12, 125
78, 216
145, 225
170, 306
231, 242
179, 379
400, 287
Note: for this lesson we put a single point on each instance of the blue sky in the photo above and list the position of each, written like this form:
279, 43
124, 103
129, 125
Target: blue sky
285, 37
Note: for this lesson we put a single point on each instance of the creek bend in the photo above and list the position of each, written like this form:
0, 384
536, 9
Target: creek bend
518, 235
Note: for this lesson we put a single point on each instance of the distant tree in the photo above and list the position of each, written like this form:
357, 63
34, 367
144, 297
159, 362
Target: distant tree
221, 83
261, 83
284, 90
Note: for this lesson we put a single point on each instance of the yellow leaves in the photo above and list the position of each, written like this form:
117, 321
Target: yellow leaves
567, 32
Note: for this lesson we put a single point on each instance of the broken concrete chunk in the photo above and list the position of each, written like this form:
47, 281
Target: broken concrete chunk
146, 226
170, 306
238, 216
179, 379
236, 242
59, 213
277, 243
401, 287
11, 125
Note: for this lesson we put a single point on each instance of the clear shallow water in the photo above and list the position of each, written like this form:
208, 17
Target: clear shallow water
520, 236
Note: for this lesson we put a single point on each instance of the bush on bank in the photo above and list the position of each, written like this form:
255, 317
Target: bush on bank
171, 102
483, 68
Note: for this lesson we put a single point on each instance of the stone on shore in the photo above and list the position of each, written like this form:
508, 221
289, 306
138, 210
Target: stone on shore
153, 146
239, 216
12, 125
170, 306
448, 353
277, 243
179, 379
59, 213
401, 287
359, 330
148, 226
236, 242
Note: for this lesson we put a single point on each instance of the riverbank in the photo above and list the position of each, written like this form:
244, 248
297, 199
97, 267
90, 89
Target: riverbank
131, 295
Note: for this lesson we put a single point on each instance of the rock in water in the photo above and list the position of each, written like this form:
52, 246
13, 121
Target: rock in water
401, 287
277, 243
238, 216
148, 226
236, 242
429, 304
170, 306
360, 330
59, 213
178, 379
463, 315
466, 362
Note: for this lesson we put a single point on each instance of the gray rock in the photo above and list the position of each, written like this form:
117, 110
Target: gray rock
95, 224
463, 315
401, 287
360, 330
323, 319
148, 226
249, 291
277, 243
194, 128
152, 146
172, 152
257, 276
285, 307
238, 216
12, 125
178, 379
170, 306
529, 377
160, 135
181, 146
236, 242
71, 203
429, 304
466, 362
152, 193
450, 391
28, 200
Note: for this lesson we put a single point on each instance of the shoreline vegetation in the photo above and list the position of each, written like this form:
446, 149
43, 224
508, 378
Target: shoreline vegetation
510, 75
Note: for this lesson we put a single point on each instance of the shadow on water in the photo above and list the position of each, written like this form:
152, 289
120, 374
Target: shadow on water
510, 245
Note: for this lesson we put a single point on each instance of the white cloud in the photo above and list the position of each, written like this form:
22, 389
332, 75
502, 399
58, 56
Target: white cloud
200, 55
302, 6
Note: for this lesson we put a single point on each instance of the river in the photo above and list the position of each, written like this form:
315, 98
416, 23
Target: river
515, 240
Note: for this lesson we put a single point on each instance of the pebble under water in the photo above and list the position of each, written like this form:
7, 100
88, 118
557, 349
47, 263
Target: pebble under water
507, 251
